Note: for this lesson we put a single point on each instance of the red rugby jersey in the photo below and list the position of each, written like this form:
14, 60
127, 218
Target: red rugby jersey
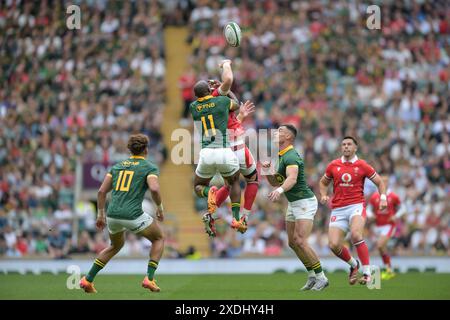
348, 180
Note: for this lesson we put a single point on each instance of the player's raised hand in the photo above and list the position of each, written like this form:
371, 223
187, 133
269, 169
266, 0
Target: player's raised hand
274, 195
324, 199
246, 109
224, 62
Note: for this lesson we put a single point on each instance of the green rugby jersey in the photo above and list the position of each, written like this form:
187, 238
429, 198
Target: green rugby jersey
290, 157
129, 186
211, 115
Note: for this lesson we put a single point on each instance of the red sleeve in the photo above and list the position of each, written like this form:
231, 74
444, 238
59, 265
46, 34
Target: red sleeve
215, 93
369, 170
329, 171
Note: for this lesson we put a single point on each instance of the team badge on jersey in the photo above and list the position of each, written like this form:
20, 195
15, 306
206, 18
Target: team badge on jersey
279, 178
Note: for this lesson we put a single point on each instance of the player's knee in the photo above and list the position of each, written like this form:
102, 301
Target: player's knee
301, 242
116, 247
334, 246
292, 244
159, 237
356, 236
252, 177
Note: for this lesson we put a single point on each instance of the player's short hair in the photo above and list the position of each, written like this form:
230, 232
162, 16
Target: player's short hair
291, 128
137, 143
351, 138
201, 89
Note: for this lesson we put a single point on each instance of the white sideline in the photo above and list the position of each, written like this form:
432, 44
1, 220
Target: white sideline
213, 266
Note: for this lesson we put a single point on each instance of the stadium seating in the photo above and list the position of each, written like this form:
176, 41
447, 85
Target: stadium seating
71, 96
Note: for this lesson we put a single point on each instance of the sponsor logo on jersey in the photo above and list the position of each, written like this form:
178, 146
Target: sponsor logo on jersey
127, 163
200, 107
346, 178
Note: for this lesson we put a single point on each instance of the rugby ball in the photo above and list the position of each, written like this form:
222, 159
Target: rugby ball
233, 34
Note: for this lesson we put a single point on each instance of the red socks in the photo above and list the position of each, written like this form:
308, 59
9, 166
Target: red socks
222, 194
250, 194
386, 260
344, 254
363, 252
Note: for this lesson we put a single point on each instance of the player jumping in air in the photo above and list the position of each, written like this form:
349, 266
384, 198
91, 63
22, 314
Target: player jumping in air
302, 205
210, 116
385, 221
348, 211
129, 180
247, 165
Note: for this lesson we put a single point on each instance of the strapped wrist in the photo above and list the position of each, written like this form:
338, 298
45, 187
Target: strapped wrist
280, 190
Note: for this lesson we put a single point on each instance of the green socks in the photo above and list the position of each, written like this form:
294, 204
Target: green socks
236, 208
317, 267
96, 267
152, 266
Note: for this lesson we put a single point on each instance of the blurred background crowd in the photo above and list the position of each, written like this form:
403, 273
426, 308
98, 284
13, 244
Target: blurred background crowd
69, 95
315, 64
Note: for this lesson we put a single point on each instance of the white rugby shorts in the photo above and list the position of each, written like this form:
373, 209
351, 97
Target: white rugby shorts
135, 226
212, 160
341, 217
302, 209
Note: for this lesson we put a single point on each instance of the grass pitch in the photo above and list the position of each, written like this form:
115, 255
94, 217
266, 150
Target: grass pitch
225, 287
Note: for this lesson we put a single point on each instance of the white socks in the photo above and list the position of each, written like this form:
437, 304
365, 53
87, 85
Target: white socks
352, 262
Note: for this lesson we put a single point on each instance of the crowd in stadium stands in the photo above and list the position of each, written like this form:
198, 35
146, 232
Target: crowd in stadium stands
68, 94
316, 65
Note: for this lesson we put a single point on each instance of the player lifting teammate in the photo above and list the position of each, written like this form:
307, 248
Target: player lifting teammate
247, 165
129, 180
210, 115
385, 221
302, 205
348, 211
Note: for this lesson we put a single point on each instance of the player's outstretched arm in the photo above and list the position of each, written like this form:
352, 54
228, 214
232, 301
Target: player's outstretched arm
101, 201
323, 189
381, 190
153, 185
227, 77
245, 110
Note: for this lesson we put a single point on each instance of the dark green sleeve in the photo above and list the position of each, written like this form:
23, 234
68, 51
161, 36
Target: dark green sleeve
292, 160
110, 171
225, 102
152, 170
